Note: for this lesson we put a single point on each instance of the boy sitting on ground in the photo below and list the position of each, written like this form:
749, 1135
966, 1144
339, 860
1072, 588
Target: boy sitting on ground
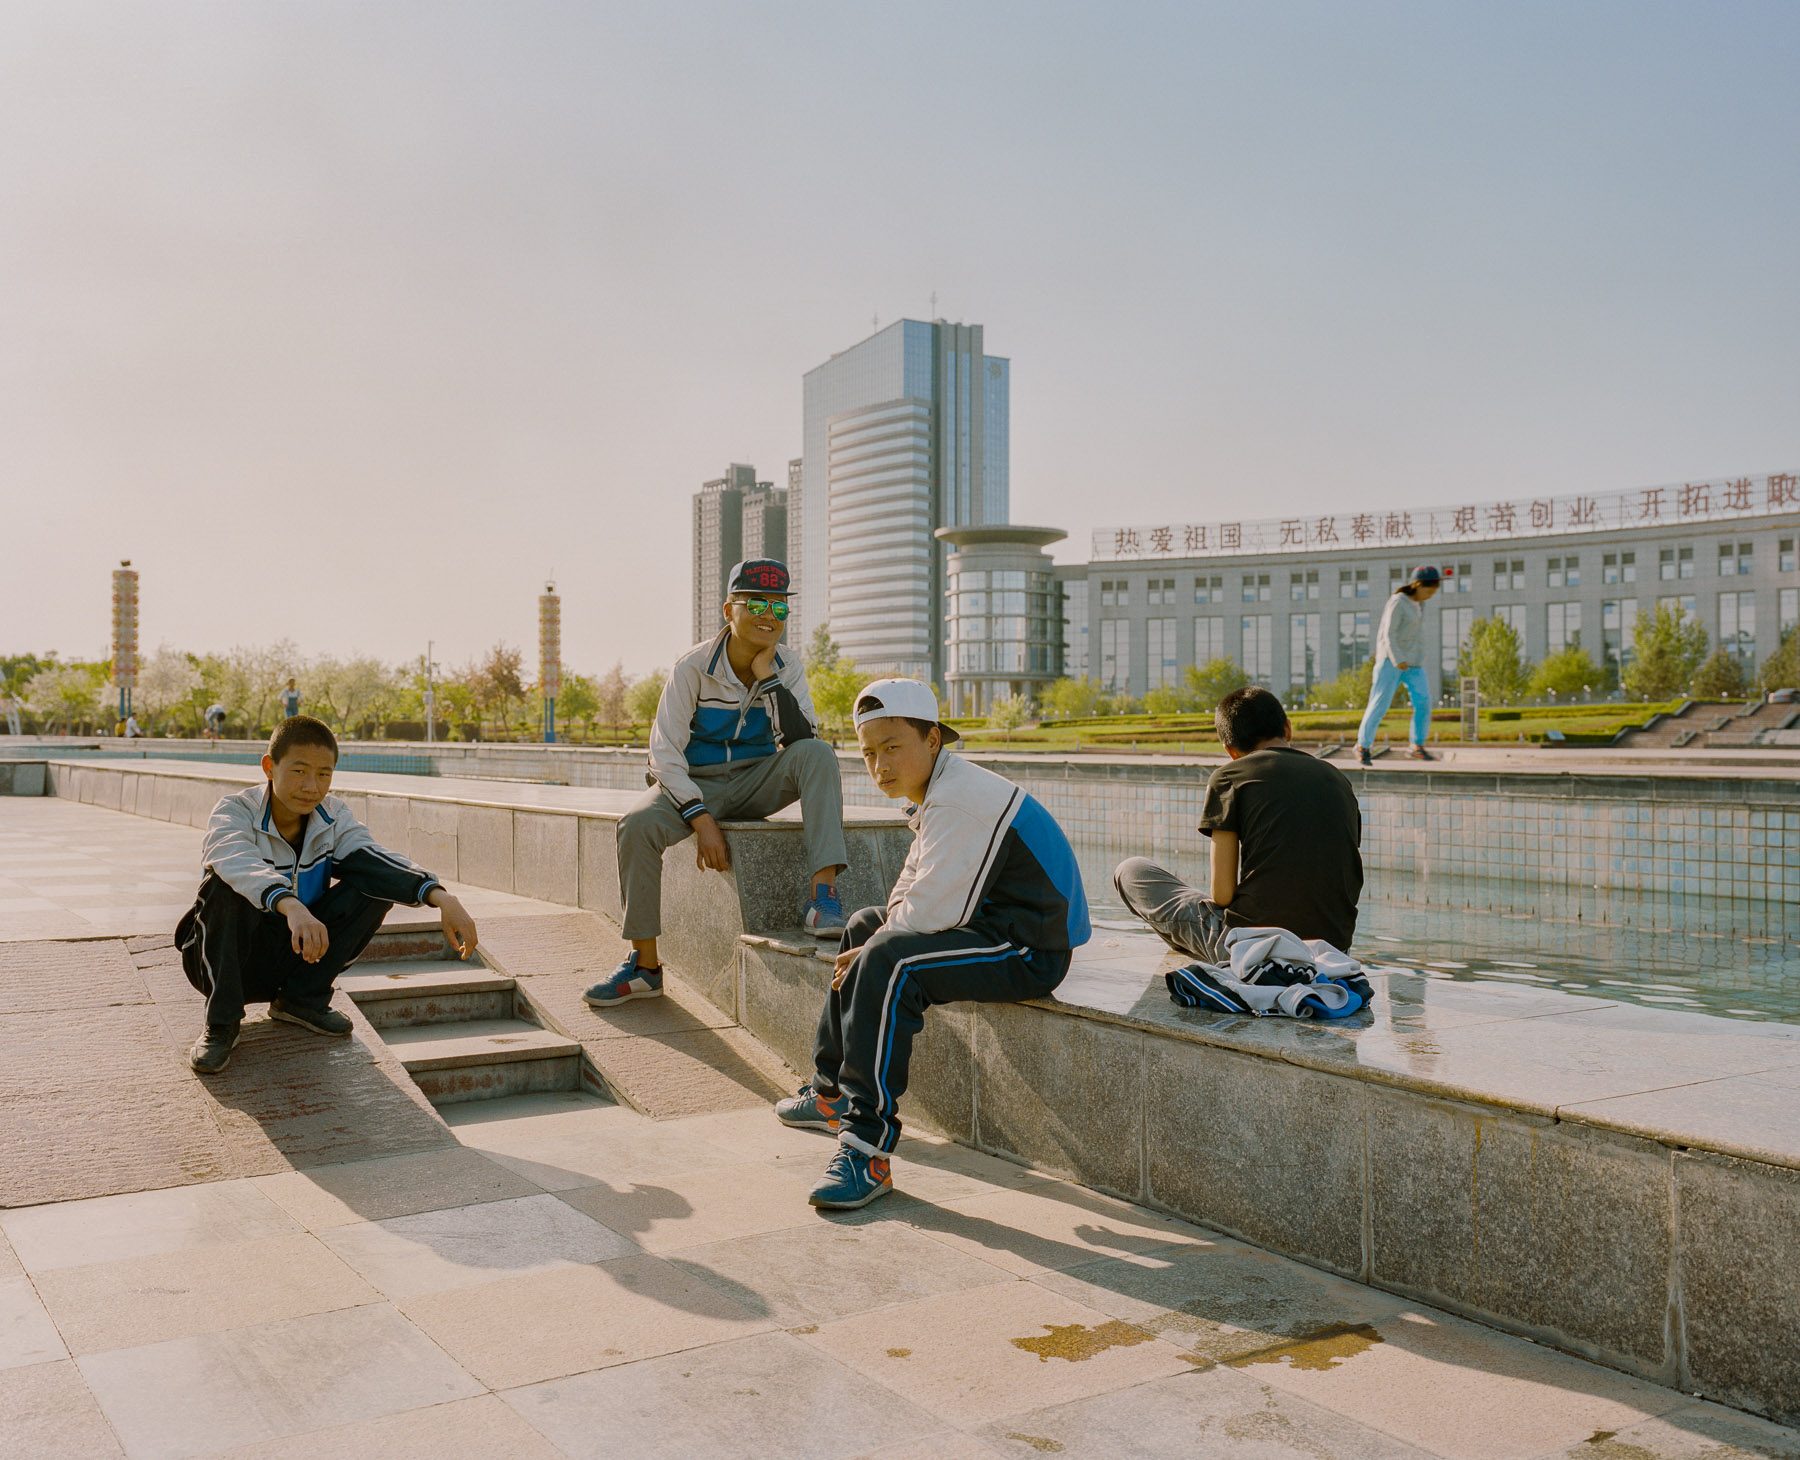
988, 907
269, 922
1285, 831
734, 739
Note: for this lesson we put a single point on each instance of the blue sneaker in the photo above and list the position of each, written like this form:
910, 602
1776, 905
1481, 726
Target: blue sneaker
625, 983
809, 1110
823, 915
852, 1180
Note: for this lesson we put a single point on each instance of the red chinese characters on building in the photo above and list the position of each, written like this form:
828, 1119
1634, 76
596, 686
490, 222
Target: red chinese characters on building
1396, 527
1543, 514
1583, 512
1325, 530
1293, 532
1650, 507
1735, 496
1362, 527
1125, 542
1784, 490
1696, 499
1193, 539
1464, 522
1161, 539
1501, 517
1231, 534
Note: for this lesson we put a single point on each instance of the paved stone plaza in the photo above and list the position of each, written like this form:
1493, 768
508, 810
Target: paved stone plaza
304, 1259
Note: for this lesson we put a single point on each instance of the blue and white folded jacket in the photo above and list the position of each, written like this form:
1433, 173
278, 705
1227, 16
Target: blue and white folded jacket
1271, 971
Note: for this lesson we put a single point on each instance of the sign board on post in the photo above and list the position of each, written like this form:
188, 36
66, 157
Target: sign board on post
1471, 708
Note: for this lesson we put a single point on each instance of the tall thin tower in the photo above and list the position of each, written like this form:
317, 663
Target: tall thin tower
125, 633
549, 656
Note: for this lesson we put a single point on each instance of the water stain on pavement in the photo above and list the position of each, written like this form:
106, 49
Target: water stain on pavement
1076, 1341
1037, 1442
1324, 1348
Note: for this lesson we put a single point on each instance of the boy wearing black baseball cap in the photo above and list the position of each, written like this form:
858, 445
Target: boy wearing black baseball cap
988, 907
735, 738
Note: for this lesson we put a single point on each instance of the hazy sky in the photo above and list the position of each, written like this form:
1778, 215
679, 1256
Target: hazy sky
349, 322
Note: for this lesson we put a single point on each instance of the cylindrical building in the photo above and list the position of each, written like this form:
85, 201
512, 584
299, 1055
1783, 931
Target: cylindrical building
1002, 618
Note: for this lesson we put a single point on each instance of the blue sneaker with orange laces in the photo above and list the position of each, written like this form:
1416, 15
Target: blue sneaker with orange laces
823, 915
853, 1179
625, 982
807, 1109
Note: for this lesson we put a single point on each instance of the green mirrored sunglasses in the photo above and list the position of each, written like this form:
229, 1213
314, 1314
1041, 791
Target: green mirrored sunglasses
760, 606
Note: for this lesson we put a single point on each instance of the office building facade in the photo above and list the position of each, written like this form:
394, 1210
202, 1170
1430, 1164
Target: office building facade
735, 517
1297, 601
905, 432
1003, 615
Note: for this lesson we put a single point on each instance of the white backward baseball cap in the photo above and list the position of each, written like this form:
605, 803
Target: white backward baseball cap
908, 699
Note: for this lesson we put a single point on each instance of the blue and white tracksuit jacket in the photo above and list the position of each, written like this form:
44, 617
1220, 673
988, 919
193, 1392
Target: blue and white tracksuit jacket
708, 717
988, 907
235, 946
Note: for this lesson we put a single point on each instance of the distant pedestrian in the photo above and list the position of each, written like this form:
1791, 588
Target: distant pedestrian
290, 701
1400, 660
215, 721
133, 731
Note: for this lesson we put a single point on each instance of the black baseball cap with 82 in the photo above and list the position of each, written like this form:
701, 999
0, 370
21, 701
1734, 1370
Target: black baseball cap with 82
758, 575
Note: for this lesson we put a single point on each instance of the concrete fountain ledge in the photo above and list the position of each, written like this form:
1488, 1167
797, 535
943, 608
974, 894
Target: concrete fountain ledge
1620, 1182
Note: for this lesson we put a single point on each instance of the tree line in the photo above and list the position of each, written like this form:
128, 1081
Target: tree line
490, 697
1669, 658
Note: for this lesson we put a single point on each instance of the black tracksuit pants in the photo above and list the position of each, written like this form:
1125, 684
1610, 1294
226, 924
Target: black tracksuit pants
232, 951
864, 1043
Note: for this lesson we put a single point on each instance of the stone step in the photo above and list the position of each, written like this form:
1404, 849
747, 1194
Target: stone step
427, 991
483, 1059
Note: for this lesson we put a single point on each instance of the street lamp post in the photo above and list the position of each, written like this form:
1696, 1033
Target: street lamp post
430, 695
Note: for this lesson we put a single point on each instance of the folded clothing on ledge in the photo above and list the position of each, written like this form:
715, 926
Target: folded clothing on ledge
1271, 971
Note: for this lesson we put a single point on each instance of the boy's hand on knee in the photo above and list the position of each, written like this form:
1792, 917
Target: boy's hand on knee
309, 936
841, 969
710, 849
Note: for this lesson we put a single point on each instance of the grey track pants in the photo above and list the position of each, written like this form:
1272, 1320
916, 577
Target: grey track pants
745, 790
1176, 912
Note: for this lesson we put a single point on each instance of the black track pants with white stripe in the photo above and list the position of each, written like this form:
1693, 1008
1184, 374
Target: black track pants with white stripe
232, 951
867, 1028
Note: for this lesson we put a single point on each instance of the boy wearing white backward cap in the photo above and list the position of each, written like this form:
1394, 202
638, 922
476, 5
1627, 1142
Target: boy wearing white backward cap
988, 907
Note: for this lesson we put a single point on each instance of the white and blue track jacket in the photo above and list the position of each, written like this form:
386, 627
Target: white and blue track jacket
707, 716
986, 854
243, 848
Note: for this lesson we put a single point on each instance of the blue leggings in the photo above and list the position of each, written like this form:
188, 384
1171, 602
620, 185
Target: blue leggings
1389, 676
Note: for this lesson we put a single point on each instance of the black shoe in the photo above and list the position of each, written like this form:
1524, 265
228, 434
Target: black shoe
1419, 752
211, 1052
320, 1021
1363, 756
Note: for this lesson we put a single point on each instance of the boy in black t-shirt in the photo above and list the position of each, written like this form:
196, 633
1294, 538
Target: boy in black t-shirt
1285, 830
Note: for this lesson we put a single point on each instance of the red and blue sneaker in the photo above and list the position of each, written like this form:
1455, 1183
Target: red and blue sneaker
853, 1179
626, 982
807, 1109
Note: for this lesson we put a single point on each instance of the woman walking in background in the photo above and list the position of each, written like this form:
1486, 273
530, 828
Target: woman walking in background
1400, 659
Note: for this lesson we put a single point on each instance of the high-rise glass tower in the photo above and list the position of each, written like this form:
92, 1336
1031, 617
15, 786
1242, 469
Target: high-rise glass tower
734, 517
905, 433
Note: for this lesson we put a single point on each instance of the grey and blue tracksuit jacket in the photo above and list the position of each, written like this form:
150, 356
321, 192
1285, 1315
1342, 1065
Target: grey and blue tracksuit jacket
986, 854
244, 850
708, 717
